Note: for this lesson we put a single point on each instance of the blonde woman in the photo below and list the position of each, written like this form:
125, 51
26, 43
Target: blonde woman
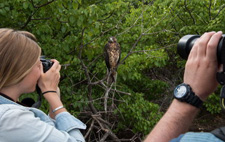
20, 71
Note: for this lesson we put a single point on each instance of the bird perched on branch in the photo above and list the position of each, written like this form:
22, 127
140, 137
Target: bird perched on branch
112, 54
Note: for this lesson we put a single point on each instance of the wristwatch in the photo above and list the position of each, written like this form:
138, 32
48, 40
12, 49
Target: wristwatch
184, 93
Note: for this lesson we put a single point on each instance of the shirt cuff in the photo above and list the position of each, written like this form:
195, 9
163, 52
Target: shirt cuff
66, 122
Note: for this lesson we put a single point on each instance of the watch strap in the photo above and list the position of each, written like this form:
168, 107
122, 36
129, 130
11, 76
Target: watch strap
191, 98
194, 99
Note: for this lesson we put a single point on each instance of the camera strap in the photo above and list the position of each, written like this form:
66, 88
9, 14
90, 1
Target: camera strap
219, 133
39, 100
222, 97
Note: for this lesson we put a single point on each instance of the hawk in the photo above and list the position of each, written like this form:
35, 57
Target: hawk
112, 53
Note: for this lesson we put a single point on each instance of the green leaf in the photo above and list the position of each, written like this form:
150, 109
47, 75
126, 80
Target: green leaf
25, 5
63, 29
71, 19
80, 1
75, 5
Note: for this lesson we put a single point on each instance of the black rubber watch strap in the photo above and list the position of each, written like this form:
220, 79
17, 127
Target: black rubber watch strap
190, 97
194, 100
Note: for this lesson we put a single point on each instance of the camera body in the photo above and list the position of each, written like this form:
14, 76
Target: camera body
47, 64
184, 47
186, 43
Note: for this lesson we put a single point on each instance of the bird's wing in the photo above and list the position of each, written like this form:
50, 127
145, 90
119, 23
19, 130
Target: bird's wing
107, 55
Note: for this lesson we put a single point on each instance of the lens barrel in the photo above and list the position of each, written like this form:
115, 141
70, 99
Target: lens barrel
186, 43
47, 64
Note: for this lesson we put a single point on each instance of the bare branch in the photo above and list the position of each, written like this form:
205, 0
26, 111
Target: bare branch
102, 120
39, 6
92, 107
189, 12
95, 59
90, 129
130, 26
185, 23
48, 18
28, 20
210, 4
81, 44
130, 52
221, 8
104, 137
79, 82
110, 15
121, 92
106, 97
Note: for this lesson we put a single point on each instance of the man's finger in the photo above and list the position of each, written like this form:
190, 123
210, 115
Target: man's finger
212, 46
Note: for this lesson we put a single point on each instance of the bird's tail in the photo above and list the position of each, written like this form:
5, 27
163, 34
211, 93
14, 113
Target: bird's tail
112, 75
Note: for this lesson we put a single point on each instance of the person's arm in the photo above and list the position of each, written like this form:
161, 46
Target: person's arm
20, 125
200, 74
49, 82
51, 114
175, 121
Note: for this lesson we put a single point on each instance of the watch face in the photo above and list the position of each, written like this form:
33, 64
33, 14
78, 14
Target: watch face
180, 91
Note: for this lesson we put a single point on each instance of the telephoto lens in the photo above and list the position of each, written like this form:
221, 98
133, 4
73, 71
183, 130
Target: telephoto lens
186, 43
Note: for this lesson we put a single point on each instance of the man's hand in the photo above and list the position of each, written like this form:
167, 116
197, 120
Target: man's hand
202, 65
200, 74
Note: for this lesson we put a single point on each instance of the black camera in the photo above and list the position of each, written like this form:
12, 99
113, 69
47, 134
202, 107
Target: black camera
47, 64
186, 43
184, 47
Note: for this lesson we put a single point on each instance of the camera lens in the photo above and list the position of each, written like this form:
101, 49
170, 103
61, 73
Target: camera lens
186, 43
47, 64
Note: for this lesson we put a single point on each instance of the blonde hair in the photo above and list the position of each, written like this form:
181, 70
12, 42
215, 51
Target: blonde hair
18, 54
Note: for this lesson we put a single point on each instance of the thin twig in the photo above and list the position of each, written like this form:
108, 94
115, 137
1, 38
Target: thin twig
106, 97
189, 12
90, 128
221, 8
39, 6
210, 5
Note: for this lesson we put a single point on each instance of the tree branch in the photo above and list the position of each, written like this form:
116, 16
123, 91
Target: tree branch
90, 129
185, 5
130, 52
48, 18
221, 8
32, 2
210, 4
28, 20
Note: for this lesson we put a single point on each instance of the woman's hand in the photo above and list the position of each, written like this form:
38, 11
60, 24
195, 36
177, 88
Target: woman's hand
49, 81
202, 65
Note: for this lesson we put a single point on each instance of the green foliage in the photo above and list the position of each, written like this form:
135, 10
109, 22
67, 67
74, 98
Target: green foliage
138, 114
75, 32
213, 104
